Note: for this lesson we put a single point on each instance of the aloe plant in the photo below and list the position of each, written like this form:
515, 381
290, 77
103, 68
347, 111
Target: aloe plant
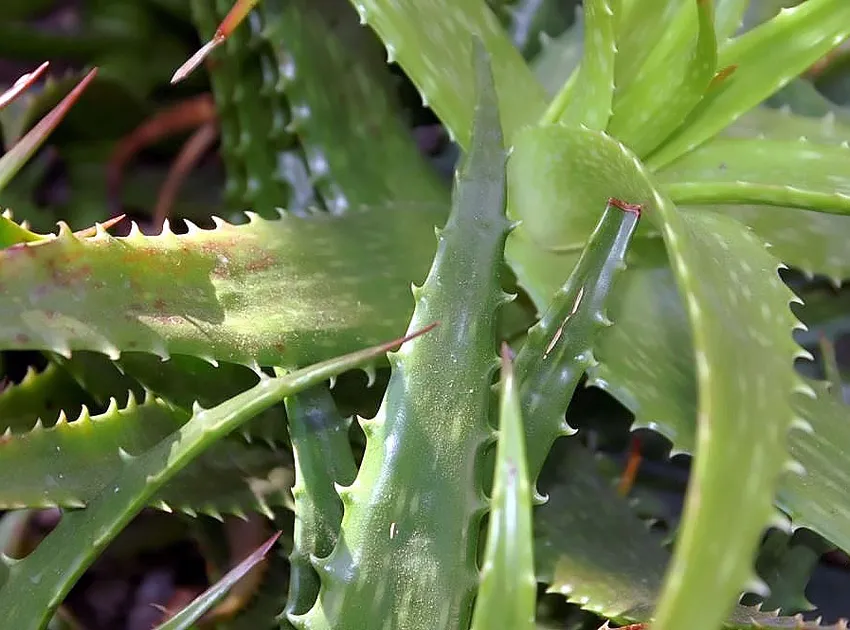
624, 214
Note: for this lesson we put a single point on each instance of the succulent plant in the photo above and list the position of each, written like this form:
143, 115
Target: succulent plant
631, 185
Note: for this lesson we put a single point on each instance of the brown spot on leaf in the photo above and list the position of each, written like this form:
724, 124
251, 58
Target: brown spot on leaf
22, 338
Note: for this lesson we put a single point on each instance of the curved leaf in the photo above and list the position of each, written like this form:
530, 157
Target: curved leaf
412, 517
507, 594
765, 59
281, 292
432, 41
770, 172
650, 110
32, 588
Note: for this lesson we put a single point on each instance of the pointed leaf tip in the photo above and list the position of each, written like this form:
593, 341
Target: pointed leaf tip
22, 85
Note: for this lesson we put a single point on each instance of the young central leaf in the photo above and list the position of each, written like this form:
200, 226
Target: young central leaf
406, 555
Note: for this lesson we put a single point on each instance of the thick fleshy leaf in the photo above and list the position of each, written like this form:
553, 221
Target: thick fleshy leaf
323, 460
508, 590
589, 544
82, 535
70, 462
769, 172
728, 17
559, 57
350, 127
185, 619
587, 100
412, 517
686, 56
557, 350
282, 292
734, 401
641, 23
432, 41
765, 59
39, 396
657, 381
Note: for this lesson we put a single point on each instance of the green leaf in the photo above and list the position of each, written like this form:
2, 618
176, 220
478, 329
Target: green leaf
766, 58
69, 463
39, 396
185, 619
587, 100
589, 544
787, 566
282, 292
507, 594
686, 56
412, 517
358, 147
323, 460
745, 379
641, 23
557, 349
32, 588
728, 17
432, 41
559, 57
769, 172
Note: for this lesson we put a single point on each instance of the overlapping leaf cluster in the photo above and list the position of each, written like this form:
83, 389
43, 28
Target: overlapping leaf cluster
159, 349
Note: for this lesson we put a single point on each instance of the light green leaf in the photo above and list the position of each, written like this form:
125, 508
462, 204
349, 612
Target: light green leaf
507, 593
281, 292
559, 57
766, 58
640, 24
728, 17
769, 172
686, 56
587, 100
432, 41
744, 381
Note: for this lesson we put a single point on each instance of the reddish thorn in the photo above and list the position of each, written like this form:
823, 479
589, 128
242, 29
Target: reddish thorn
634, 208
22, 85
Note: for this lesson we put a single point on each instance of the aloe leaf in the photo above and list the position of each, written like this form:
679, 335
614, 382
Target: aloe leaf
784, 124
215, 293
697, 245
587, 100
592, 548
323, 459
69, 463
728, 17
647, 112
639, 23
411, 518
81, 535
559, 57
39, 396
589, 544
507, 595
322, 70
432, 41
14, 159
264, 170
557, 350
796, 174
185, 619
787, 566
765, 59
